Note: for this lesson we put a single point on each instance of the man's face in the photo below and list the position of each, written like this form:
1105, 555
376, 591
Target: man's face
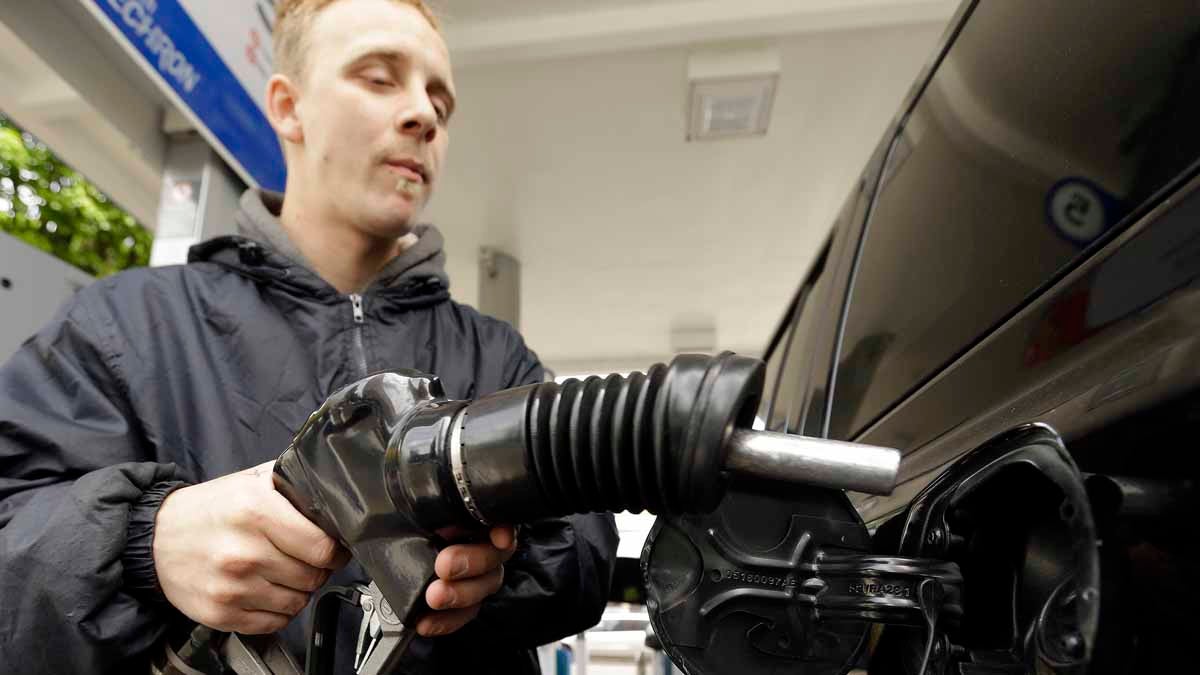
373, 105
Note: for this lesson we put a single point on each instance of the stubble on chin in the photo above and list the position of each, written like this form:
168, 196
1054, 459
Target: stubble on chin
391, 223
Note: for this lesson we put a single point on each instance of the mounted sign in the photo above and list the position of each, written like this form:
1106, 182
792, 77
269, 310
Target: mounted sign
213, 60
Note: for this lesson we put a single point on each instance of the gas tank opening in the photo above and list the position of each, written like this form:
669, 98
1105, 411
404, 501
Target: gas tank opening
1014, 516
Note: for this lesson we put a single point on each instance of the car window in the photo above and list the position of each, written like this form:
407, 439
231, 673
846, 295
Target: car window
776, 355
793, 376
1041, 132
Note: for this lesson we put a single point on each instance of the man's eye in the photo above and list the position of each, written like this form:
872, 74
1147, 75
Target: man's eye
442, 108
378, 81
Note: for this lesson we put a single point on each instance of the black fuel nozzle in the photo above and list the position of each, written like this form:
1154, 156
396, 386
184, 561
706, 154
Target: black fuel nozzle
388, 461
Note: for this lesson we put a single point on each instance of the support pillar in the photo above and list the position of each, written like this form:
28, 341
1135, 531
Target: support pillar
198, 201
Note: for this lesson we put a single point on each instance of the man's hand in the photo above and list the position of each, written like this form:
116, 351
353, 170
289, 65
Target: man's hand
466, 575
235, 555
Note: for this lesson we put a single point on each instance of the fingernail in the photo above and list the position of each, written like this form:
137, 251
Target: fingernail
449, 598
460, 568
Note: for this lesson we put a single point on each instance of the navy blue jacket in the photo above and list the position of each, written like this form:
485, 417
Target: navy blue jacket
180, 374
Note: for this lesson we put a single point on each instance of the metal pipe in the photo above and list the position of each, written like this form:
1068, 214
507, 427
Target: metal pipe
813, 461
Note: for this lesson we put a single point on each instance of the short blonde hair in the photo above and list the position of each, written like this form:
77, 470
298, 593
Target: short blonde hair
293, 18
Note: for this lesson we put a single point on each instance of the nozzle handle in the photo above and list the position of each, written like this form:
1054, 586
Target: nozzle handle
813, 461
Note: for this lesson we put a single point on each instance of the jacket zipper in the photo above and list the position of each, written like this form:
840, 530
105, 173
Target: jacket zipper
360, 353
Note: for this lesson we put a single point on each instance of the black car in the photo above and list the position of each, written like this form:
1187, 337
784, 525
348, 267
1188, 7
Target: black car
1010, 296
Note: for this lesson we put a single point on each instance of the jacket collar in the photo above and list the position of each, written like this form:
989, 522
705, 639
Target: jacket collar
263, 251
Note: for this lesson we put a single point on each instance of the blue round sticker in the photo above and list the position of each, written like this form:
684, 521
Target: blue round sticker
1079, 210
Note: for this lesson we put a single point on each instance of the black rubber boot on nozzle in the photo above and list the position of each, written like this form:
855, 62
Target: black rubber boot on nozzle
647, 441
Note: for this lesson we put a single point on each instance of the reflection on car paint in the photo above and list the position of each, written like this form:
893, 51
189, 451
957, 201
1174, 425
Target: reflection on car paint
1028, 144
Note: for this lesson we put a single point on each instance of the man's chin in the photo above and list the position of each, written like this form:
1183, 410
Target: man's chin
392, 223
406, 206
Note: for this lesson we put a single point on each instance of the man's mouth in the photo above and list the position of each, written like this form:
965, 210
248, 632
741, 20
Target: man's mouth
409, 169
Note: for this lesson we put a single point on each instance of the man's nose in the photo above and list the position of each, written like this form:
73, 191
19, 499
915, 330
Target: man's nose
420, 121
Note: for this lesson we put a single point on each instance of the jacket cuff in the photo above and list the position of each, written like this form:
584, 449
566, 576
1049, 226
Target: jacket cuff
141, 580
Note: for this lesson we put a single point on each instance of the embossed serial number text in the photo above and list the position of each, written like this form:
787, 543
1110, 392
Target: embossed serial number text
752, 578
894, 590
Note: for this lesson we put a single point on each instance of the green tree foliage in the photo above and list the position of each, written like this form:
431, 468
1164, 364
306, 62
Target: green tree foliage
48, 204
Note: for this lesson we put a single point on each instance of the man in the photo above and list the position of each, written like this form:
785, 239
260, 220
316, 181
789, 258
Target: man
128, 423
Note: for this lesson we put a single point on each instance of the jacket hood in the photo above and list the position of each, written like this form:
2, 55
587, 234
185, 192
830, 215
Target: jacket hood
262, 250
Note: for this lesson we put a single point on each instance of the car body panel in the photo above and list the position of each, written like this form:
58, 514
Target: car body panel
1023, 249
1030, 144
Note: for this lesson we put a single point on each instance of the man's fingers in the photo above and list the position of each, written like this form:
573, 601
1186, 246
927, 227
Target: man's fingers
504, 537
448, 621
462, 561
276, 599
459, 594
299, 538
256, 622
280, 568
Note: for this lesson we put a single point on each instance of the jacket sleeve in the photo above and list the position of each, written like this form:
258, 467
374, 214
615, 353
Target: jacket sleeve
77, 505
557, 583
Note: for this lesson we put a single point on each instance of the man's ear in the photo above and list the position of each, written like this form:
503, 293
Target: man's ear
283, 103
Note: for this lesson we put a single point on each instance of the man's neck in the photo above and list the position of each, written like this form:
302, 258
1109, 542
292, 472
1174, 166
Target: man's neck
342, 255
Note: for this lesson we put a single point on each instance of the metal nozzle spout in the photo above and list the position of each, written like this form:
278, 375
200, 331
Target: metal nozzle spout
813, 461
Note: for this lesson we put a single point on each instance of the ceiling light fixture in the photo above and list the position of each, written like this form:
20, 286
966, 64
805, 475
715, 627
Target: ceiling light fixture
731, 92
